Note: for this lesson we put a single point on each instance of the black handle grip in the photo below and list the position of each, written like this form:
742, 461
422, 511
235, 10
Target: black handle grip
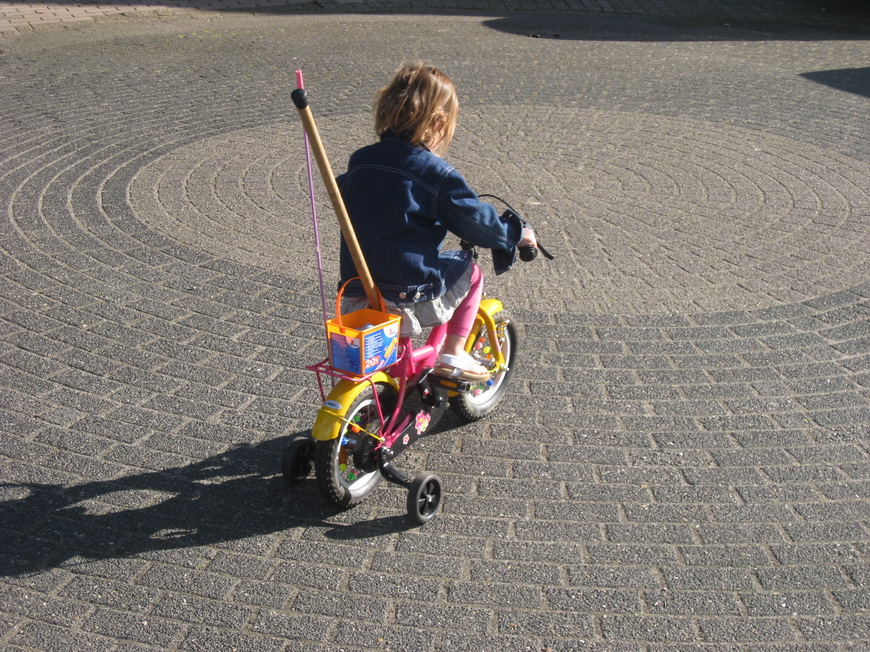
300, 98
528, 254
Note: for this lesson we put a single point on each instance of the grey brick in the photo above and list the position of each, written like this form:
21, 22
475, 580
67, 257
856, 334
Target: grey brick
196, 582
537, 551
424, 615
404, 564
708, 579
138, 628
815, 553
594, 601
787, 603
747, 630
494, 595
244, 566
49, 638
796, 578
693, 603
652, 533
284, 625
512, 571
849, 628
647, 628
525, 623
201, 612
209, 638
623, 553
728, 555
333, 604
272, 594
109, 593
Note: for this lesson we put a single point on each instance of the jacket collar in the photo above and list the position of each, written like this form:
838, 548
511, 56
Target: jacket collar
389, 134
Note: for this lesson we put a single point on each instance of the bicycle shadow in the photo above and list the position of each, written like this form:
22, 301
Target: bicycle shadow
234, 495
237, 494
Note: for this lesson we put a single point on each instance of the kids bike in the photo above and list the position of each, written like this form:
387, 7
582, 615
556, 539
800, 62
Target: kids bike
374, 412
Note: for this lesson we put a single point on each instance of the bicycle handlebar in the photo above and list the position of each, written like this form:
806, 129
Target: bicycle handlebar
528, 254
503, 258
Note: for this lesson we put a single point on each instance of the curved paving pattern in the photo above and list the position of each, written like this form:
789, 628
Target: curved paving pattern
657, 214
684, 459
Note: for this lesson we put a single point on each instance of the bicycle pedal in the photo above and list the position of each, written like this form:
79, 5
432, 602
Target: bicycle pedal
450, 384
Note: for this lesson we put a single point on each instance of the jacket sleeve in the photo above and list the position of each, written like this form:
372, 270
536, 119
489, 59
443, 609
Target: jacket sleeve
460, 210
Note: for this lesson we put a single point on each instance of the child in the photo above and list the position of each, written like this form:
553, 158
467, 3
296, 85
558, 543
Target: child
402, 198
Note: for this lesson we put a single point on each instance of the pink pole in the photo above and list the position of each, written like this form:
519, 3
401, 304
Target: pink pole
300, 83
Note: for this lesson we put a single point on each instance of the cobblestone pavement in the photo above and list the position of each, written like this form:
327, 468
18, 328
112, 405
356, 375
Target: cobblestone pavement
683, 461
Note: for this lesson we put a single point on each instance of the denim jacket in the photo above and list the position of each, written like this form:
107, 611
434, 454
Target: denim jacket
402, 200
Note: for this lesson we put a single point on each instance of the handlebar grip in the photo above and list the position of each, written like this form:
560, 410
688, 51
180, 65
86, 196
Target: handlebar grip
528, 254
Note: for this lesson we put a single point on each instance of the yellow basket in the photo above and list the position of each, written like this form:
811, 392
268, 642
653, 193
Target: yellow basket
363, 341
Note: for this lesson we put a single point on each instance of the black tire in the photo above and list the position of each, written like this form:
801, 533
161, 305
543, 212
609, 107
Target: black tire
424, 498
337, 476
482, 399
298, 460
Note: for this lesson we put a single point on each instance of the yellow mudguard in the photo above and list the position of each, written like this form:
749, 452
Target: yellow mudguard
329, 419
486, 313
490, 306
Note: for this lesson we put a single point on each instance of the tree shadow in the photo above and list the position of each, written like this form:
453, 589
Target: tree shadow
679, 20
683, 27
851, 80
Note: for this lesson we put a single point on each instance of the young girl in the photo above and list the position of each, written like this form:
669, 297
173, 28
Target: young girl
402, 198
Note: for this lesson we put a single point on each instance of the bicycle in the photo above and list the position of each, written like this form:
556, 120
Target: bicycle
366, 420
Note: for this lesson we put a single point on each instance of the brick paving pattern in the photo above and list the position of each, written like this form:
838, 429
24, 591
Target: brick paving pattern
683, 460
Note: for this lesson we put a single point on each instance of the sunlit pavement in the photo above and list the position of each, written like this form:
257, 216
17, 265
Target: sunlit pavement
682, 462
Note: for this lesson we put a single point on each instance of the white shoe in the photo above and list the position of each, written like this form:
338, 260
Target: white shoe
460, 367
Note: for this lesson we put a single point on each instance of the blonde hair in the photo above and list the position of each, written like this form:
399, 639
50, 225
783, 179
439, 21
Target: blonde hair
419, 105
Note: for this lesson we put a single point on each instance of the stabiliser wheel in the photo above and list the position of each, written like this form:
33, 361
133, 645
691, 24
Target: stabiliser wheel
341, 481
483, 398
424, 497
298, 460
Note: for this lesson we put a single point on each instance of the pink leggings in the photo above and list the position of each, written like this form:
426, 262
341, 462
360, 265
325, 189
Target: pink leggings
463, 317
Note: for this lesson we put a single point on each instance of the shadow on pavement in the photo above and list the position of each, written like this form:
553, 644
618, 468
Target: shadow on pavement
655, 20
851, 80
235, 495
687, 28
226, 497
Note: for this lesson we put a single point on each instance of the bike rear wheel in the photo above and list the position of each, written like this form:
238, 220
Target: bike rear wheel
483, 398
344, 468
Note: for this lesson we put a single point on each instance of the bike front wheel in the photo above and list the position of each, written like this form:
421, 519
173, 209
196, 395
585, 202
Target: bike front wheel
483, 398
345, 467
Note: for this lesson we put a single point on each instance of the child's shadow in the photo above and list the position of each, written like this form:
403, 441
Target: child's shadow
231, 496
237, 494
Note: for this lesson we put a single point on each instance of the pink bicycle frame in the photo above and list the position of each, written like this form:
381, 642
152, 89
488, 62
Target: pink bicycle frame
408, 370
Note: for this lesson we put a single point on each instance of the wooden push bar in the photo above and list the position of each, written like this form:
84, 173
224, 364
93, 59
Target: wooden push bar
300, 99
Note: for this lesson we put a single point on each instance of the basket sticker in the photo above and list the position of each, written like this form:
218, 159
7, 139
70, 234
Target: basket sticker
364, 342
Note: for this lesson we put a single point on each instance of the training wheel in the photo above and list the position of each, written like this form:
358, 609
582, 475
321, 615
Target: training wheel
424, 497
298, 460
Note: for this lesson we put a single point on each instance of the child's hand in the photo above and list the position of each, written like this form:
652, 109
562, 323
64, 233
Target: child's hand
529, 239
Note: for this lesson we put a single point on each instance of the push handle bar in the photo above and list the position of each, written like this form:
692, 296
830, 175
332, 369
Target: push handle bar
300, 100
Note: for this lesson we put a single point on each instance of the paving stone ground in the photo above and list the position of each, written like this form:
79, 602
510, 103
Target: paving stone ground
683, 459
